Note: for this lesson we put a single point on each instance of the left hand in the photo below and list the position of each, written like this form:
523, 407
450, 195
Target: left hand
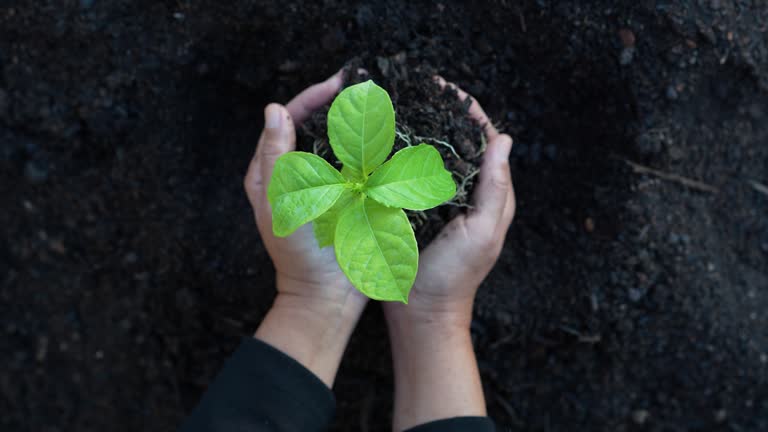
452, 267
314, 297
430, 336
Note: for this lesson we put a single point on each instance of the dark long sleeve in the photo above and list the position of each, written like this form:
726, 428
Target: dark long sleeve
458, 424
261, 389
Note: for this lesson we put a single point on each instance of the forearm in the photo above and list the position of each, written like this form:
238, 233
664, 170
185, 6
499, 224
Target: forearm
315, 334
436, 374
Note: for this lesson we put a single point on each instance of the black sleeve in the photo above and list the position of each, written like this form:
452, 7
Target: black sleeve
457, 424
262, 389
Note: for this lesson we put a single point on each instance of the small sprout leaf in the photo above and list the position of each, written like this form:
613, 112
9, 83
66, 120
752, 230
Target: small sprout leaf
303, 187
414, 179
376, 249
325, 225
361, 128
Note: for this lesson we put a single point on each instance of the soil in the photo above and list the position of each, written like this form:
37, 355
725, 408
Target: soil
624, 299
424, 113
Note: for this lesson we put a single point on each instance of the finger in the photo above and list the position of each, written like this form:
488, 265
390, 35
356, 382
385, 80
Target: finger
493, 192
277, 138
475, 112
314, 97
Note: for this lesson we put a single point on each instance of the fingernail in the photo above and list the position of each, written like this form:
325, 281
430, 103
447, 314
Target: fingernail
502, 148
273, 116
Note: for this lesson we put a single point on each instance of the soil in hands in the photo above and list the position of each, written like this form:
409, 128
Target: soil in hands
424, 113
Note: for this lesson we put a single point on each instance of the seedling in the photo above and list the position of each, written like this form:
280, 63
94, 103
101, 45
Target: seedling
359, 211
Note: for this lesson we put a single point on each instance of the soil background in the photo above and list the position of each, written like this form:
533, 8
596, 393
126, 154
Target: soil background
624, 300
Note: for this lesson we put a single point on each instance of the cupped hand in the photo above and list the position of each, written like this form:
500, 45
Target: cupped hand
452, 267
303, 270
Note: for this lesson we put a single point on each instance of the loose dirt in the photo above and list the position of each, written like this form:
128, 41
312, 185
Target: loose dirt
624, 300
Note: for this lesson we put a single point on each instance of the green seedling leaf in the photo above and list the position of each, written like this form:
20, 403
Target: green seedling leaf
349, 173
415, 178
376, 249
325, 225
303, 187
361, 128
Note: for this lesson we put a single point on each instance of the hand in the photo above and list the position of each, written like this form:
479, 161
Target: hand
452, 267
436, 374
316, 307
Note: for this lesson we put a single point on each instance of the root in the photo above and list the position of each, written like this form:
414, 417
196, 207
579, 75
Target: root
404, 137
319, 147
419, 218
460, 200
483, 145
404, 133
439, 142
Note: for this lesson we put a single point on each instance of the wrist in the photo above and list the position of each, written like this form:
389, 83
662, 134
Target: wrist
433, 355
412, 332
314, 332
429, 317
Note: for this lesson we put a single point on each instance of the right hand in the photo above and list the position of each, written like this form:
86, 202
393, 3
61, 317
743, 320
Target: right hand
452, 267
316, 307
304, 272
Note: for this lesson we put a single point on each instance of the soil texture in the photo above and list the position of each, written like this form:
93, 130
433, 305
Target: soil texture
632, 292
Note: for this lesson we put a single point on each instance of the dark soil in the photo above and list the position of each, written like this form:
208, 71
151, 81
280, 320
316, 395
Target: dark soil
130, 265
424, 113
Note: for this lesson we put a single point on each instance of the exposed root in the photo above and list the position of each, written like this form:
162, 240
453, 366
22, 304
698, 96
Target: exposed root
319, 147
419, 219
483, 145
461, 198
439, 142
404, 137
404, 133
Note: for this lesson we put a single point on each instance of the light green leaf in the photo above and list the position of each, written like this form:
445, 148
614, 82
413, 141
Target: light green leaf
349, 173
303, 186
376, 249
325, 225
361, 127
415, 178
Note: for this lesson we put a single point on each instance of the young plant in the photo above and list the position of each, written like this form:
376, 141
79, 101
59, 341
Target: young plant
359, 210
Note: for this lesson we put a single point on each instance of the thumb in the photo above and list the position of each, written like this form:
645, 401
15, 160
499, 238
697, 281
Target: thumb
493, 190
277, 138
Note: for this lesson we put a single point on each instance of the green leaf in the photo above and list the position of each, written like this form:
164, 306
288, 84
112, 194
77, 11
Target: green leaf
361, 127
303, 187
415, 178
349, 173
325, 225
376, 249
